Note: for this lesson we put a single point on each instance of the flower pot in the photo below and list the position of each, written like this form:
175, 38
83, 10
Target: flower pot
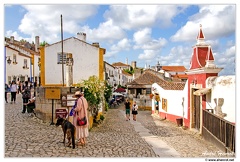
179, 122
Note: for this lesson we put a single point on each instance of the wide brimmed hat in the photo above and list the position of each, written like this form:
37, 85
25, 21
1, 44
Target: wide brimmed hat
77, 93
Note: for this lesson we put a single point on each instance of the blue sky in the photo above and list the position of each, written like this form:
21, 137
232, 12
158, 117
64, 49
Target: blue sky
136, 32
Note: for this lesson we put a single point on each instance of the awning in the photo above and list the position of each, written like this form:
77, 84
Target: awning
202, 91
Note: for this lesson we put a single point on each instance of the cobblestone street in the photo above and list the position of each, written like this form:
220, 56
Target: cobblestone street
27, 136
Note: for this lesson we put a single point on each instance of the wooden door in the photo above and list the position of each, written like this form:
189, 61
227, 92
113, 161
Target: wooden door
197, 112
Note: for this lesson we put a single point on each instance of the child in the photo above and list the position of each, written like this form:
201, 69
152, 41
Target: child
134, 110
31, 106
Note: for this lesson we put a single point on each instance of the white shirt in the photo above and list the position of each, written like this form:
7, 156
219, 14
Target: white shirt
135, 107
14, 88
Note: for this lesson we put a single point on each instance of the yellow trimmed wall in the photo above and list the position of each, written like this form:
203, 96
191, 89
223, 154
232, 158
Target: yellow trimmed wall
101, 64
42, 58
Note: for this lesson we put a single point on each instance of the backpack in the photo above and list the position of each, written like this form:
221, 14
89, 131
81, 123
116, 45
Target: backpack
26, 93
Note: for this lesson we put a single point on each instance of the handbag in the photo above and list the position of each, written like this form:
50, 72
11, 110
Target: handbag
82, 121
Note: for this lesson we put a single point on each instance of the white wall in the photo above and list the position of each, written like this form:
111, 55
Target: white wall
223, 87
85, 61
174, 100
36, 69
110, 70
16, 69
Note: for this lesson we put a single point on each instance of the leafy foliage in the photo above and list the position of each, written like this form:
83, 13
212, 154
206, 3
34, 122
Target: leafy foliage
107, 92
94, 89
131, 71
43, 43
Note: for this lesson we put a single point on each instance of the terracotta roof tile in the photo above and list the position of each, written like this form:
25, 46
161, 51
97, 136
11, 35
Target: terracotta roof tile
149, 77
181, 76
119, 64
22, 47
174, 68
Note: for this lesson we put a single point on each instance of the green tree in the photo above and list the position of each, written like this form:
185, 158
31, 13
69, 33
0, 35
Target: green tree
43, 43
131, 71
107, 92
94, 93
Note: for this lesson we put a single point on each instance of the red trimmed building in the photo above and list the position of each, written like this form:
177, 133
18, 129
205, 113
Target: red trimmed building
201, 67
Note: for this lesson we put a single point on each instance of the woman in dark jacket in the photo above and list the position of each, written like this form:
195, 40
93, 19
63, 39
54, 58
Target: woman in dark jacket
26, 95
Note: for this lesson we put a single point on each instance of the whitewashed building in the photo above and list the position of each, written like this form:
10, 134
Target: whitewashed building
109, 71
21, 60
222, 96
87, 61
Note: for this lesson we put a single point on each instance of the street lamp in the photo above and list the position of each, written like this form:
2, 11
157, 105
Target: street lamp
9, 60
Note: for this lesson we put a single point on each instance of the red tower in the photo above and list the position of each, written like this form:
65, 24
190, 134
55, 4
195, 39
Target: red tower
201, 67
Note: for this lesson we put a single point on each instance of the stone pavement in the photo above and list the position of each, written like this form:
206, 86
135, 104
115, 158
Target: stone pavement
27, 136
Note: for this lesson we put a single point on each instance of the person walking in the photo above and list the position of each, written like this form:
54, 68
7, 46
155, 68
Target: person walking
127, 109
7, 89
26, 95
81, 111
134, 110
20, 87
13, 89
35, 87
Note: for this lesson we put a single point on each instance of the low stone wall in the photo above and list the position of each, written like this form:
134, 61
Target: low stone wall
46, 108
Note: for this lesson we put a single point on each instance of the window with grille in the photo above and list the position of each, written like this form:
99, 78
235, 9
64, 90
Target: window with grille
14, 59
59, 57
25, 63
148, 91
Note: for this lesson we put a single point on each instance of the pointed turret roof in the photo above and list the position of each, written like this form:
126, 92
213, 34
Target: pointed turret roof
200, 37
200, 34
202, 56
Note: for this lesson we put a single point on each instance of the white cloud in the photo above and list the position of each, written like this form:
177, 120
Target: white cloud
226, 60
142, 16
123, 44
179, 55
144, 41
147, 55
45, 20
231, 52
14, 34
106, 31
217, 21
110, 54
142, 36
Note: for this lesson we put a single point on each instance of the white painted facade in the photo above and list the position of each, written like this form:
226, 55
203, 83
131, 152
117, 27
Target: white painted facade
109, 73
85, 61
18, 57
20, 66
15, 70
121, 77
176, 105
223, 87
118, 76
36, 68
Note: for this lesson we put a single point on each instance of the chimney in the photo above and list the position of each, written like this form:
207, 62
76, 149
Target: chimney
36, 43
96, 44
81, 36
12, 39
134, 64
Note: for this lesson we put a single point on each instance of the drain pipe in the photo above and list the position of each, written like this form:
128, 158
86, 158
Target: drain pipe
183, 111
